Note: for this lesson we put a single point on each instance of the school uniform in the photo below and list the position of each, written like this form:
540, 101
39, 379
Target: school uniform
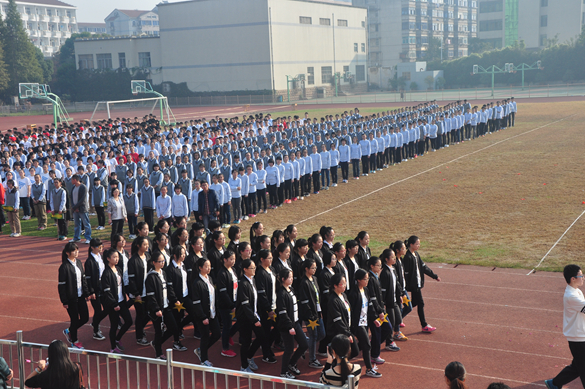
160, 296
94, 267
339, 320
414, 274
227, 289
362, 314
287, 319
204, 297
38, 194
137, 272
114, 295
148, 205
267, 286
310, 310
73, 291
384, 332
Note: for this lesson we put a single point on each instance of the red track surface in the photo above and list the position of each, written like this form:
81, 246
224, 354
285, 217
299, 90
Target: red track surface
501, 324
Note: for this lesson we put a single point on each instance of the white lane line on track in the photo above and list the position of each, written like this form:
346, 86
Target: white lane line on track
30, 297
430, 169
498, 287
28, 279
492, 304
20, 262
499, 325
488, 271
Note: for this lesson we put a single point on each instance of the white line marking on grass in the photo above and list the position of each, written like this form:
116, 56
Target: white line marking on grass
495, 305
554, 245
430, 169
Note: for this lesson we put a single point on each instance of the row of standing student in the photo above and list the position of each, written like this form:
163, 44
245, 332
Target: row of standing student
272, 298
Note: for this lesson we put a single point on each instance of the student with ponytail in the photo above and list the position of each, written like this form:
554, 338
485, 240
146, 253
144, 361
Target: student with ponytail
337, 352
399, 249
392, 292
455, 375
256, 230
94, 267
290, 236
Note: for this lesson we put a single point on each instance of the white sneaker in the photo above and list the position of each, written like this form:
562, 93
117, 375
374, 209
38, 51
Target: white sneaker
15, 235
11, 235
132, 237
87, 241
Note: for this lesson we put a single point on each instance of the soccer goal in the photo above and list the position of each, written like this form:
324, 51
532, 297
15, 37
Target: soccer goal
135, 107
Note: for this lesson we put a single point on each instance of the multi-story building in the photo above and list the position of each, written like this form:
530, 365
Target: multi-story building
401, 30
536, 22
92, 28
121, 22
48, 22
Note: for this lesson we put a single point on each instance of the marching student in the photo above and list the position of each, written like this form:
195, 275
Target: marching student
181, 279
392, 292
310, 309
289, 325
363, 255
227, 290
113, 299
339, 313
298, 256
399, 249
414, 274
94, 267
160, 297
73, 292
266, 282
324, 279
137, 271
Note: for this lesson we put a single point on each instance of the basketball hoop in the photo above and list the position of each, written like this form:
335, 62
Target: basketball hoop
135, 93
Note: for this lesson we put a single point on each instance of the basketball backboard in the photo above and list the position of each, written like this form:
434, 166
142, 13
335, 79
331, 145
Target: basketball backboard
140, 86
30, 90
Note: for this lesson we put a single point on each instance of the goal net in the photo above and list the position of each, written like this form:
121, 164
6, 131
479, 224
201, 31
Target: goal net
157, 106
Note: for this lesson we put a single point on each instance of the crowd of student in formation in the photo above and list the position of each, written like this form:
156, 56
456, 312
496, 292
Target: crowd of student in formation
224, 169
333, 299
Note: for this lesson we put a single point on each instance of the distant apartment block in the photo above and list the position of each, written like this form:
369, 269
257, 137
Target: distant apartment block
122, 22
92, 28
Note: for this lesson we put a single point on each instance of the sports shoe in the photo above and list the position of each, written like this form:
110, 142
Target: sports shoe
288, 375
402, 325
197, 352
228, 353
428, 329
116, 350
252, 215
87, 241
315, 364
269, 360
373, 373
246, 369
98, 336
400, 337
378, 360
77, 345
177, 346
132, 237
161, 357
74, 240
294, 369
119, 346
66, 333
207, 363
142, 342
236, 222
549, 384
392, 347
11, 235
245, 218
252, 365
181, 337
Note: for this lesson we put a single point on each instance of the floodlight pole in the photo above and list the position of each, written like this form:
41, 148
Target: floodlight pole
288, 88
336, 79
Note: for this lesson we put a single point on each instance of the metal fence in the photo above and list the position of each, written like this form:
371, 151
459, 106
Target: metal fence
115, 371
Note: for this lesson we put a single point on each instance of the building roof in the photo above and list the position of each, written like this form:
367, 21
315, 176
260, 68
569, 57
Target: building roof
91, 25
133, 13
55, 3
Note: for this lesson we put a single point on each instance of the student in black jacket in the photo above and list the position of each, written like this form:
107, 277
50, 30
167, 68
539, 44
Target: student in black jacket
216, 251
399, 249
351, 261
160, 298
361, 314
414, 276
94, 267
114, 299
181, 279
310, 309
339, 313
282, 258
138, 267
289, 325
267, 285
205, 310
247, 316
227, 289
392, 292
73, 292
315, 253
298, 256
330, 262
364, 253
262, 243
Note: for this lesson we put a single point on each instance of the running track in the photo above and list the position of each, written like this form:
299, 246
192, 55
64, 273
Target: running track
501, 324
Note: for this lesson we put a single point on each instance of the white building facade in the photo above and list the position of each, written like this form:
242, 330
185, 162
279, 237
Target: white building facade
92, 28
227, 45
48, 22
122, 22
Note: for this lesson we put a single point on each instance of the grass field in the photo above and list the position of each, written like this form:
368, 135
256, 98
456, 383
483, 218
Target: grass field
501, 200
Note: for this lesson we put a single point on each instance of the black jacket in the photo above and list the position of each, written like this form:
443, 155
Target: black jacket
245, 301
324, 281
136, 273
92, 275
296, 262
285, 309
214, 256
337, 316
154, 292
376, 299
355, 302
175, 277
317, 257
351, 271
277, 266
363, 256
391, 291
68, 283
224, 285
265, 288
410, 262
109, 287
201, 300
308, 297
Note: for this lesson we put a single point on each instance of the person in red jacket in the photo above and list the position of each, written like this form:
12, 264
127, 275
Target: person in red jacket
2, 201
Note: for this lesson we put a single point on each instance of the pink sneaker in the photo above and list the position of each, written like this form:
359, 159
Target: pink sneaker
77, 345
228, 353
428, 329
402, 325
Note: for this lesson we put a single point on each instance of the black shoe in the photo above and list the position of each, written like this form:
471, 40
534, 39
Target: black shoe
294, 369
270, 359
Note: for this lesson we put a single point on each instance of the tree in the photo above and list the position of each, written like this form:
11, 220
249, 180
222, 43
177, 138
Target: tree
4, 78
413, 86
430, 81
440, 82
401, 82
19, 52
434, 50
478, 46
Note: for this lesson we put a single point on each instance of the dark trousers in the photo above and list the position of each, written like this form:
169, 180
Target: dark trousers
398, 155
171, 330
252, 203
210, 334
180, 318
79, 315
373, 158
394, 318
244, 205
261, 194
325, 180
273, 195
512, 118
421, 147
32, 206
132, 220
237, 209
25, 201
365, 164
295, 187
344, 170
575, 369
307, 187
117, 227
226, 213
316, 183
355, 164
333, 170
281, 193
288, 357
248, 349
379, 335
288, 189
141, 319
271, 332
419, 303
149, 218
2, 218
101, 216
98, 314
115, 334
361, 333
62, 226
228, 329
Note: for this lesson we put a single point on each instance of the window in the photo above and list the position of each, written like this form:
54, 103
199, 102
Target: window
543, 20
450, 54
68, 14
473, 28
310, 75
122, 60
355, 47
450, 27
326, 74
27, 10
406, 40
104, 61
324, 21
345, 69
85, 61
305, 20
155, 22
490, 25
144, 60
408, 11
423, 12
363, 47
473, 16
474, 4
406, 75
544, 3
49, 12
543, 40
491, 6
342, 23
363, 24
360, 73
